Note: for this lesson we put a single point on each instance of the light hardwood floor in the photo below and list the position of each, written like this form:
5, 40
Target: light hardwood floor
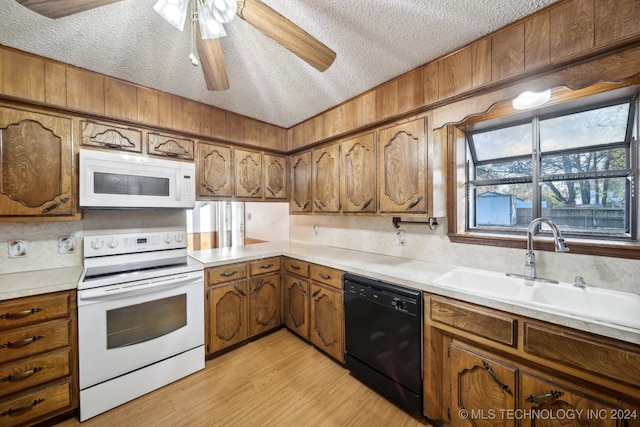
278, 380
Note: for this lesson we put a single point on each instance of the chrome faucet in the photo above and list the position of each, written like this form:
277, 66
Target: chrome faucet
530, 260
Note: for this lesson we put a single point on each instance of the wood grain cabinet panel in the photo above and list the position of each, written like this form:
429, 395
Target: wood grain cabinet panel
301, 268
110, 136
326, 275
23, 76
170, 146
35, 309
275, 177
226, 273
402, 168
248, 174
554, 397
536, 41
507, 52
36, 164
326, 179
300, 198
326, 324
22, 409
358, 174
264, 303
228, 315
480, 385
571, 28
616, 20
295, 303
33, 371
264, 266
215, 171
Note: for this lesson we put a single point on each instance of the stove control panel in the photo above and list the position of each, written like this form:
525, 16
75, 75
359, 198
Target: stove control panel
117, 244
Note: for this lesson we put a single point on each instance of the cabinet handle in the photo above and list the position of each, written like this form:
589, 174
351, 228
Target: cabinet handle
20, 314
55, 205
23, 408
552, 395
264, 267
260, 284
256, 191
271, 191
304, 207
366, 205
324, 276
295, 267
415, 202
317, 205
229, 274
22, 375
169, 154
315, 294
240, 291
209, 188
304, 292
495, 378
22, 343
110, 145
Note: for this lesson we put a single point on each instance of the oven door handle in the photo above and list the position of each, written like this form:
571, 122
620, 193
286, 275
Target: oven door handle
133, 289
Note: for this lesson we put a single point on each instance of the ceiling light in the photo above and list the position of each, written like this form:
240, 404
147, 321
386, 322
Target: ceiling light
529, 99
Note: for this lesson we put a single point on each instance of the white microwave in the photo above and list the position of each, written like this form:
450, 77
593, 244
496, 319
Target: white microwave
120, 180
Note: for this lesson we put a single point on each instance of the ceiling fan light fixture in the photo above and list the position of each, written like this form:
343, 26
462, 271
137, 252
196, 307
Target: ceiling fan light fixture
173, 11
210, 28
223, 10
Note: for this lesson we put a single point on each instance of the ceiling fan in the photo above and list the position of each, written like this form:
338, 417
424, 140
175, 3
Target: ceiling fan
254, 12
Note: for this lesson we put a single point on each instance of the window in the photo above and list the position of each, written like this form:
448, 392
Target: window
576, 167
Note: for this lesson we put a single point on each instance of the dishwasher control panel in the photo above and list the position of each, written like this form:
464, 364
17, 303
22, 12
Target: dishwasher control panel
393, 297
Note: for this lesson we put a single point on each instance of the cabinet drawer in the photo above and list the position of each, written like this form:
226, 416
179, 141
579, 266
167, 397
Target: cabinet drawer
601, 357
24, 311
475, 320
32, 371
19, 410
226, 273
170, 146
263, 266
110, 136
328, 276
28, 340
294, 266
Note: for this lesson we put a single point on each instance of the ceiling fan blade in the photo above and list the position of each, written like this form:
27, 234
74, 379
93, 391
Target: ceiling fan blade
61, 8
286, 33
212, 62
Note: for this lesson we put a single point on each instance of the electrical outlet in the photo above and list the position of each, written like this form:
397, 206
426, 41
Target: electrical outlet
17, 248
315, 229
401, 238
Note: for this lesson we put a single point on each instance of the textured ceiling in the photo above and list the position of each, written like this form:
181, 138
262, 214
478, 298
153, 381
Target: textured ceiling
375, 40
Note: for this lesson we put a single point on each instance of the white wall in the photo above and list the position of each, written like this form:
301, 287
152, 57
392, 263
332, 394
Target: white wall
376, 234
266, 221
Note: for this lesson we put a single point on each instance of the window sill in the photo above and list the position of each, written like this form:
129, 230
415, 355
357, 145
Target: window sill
607, 248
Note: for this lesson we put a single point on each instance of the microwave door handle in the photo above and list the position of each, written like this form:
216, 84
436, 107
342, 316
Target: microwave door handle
179, 184
141, 288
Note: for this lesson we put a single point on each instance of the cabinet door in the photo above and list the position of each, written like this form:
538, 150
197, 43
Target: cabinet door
264, 303
543, 397
248, 175
296, 305
215, 171
36, 158
111, 136
326, 320
358, 177
300, 183
228, 306
401, 168
170, 146
326, 179
480, 389
275, 177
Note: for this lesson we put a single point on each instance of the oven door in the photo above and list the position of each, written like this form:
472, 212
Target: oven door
122, 328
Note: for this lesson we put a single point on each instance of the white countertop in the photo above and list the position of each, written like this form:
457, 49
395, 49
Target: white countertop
16, 285
402, 271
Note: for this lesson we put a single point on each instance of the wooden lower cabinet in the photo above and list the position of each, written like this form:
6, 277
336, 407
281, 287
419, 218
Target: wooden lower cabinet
38, 367
295, 304
326, 324
481, 388
264, 303
228, 315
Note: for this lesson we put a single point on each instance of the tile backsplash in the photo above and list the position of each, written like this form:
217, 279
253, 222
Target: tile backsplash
377, 234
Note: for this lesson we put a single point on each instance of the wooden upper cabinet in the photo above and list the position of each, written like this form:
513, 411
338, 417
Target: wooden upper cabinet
105, 135
170, 146
248, 175
358, 174
326, 179
215, 171
36, 159
300, 198
275, 177
402, 168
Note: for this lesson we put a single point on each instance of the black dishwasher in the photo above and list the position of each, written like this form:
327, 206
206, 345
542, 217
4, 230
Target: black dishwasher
383, 338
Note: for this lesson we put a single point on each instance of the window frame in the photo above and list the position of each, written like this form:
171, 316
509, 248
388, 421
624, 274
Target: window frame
501, 113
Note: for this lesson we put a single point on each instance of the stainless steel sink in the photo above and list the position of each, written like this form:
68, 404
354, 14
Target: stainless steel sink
590, 303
